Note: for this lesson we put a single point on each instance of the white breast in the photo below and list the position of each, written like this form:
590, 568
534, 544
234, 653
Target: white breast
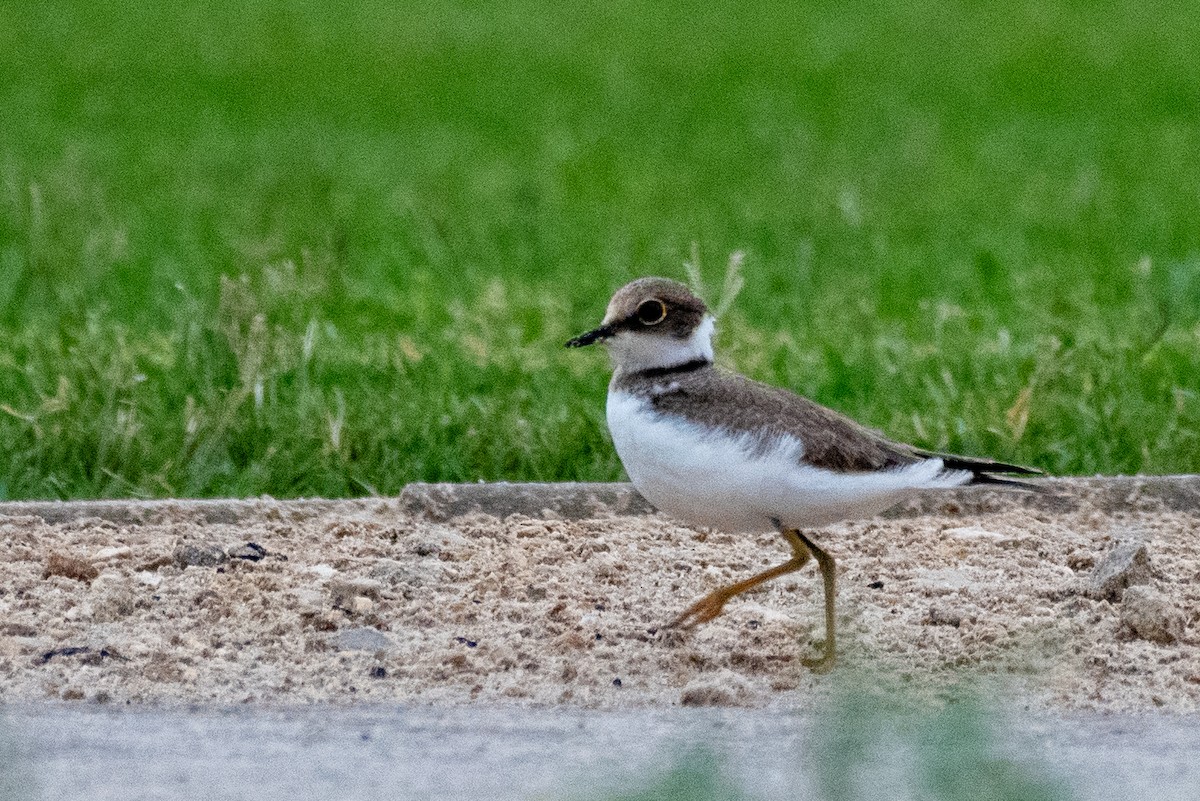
712, 478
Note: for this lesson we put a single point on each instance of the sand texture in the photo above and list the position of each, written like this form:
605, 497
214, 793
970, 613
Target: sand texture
1085, 597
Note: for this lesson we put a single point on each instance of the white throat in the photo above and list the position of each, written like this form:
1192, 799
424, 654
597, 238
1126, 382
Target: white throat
632, 351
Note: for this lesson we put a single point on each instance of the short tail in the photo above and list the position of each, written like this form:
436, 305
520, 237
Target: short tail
984, 471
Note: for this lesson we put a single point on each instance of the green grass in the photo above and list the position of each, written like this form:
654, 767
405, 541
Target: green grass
304, 248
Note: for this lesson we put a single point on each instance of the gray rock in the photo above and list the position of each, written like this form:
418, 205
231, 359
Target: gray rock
362, 638
1150, 615
1126, 565
198, 554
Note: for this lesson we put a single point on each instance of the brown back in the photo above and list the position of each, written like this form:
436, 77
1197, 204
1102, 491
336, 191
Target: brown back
735, 404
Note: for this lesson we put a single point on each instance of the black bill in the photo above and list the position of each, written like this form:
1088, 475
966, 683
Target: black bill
595, 335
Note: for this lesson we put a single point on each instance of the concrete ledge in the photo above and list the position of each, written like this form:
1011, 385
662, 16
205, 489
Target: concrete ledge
440, 502
576, 501
1106, 494
222, 510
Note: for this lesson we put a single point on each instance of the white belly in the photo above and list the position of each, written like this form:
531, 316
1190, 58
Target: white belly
711, 478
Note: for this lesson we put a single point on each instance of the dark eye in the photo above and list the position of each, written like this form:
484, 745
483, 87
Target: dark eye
652, 312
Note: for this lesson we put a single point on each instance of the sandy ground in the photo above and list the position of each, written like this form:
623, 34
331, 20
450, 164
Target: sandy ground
382, 601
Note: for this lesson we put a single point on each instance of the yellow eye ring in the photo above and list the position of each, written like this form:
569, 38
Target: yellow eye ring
652, 312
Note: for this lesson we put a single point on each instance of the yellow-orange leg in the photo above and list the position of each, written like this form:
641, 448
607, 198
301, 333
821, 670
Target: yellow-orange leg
711, 605
829, 575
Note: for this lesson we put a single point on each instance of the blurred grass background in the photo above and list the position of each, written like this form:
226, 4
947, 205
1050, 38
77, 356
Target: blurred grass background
300, 248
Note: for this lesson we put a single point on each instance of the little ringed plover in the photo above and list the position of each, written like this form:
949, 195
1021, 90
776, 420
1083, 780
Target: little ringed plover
713, 448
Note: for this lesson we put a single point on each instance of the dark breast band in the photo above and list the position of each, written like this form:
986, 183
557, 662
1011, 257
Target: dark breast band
686, 367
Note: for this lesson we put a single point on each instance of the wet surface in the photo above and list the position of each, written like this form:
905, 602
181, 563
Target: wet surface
317, 752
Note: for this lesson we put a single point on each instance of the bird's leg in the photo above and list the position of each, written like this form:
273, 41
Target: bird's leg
825, 562
711, 605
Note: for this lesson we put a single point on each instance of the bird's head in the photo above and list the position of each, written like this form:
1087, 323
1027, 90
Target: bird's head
653, 322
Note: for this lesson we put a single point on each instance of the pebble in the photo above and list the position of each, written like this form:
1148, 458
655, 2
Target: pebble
361, 638
198, 554
1126, 565
115, 552
1150, 615
356, 595
944, 616
251, 552
148, 578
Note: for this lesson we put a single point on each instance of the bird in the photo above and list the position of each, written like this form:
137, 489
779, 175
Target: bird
713, 448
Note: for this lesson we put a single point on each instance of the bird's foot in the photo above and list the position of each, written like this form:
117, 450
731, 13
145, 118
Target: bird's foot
820, 664
702, 611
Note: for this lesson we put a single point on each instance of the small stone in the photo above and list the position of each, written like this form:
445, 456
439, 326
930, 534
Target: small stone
1080, 561
1150, 615
148, 578
80, 612
72, 567
361, 605
251, 552
198, 554
115, 552
1126, 565
362, 638
342, 592
943, 616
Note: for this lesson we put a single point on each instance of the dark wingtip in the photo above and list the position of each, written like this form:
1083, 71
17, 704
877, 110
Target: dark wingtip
1002, 481
980, 466
990, 471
